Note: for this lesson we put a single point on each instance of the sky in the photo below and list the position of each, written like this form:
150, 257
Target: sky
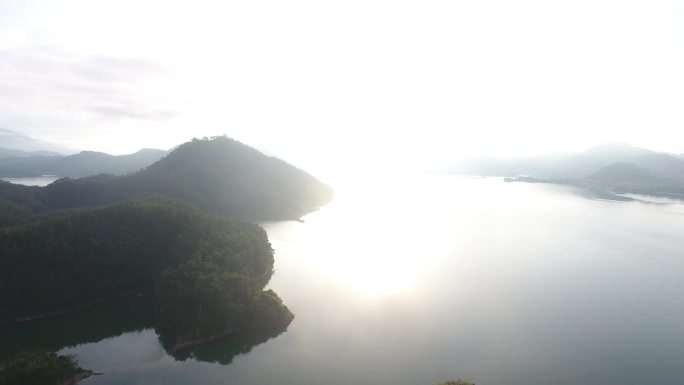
342, 86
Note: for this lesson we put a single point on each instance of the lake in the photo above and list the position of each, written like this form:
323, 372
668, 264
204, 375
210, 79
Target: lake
408, 282
43, 180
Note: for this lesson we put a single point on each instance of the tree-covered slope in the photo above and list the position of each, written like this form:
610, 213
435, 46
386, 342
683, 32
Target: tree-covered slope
40, 368
228, 177
79, 257
21, 204
220, 175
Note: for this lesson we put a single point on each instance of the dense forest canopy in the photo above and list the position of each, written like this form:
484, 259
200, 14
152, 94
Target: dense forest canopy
81, 241
38, 368
79, 257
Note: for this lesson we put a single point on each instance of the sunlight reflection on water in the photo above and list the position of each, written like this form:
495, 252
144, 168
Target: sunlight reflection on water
413, 280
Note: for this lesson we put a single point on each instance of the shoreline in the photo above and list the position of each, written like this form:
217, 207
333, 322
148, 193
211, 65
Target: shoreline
615, 190
181, 346
194, 343
75, 308
80, 376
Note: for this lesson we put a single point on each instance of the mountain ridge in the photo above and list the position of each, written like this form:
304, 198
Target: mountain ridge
82, 164
219, 175
578, 165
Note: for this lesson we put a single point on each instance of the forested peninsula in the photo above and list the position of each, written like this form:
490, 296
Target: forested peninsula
176, 229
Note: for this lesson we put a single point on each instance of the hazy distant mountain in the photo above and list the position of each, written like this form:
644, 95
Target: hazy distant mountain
613, 167
664, 167
589, 161
19, 167
16, 141
85, 163
221, 176
624, 173
662, 164
10, 152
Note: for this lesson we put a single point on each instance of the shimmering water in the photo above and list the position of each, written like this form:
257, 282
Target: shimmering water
412, 281
33, 181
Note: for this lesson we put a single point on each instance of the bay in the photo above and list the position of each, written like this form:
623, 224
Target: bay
413, 280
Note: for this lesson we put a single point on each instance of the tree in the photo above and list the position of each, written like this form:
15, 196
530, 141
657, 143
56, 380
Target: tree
38, 368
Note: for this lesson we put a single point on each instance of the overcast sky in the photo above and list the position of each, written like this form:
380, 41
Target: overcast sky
336, 85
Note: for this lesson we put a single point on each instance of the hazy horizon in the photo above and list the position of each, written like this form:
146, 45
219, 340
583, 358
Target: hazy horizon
354, 175
443, 192
337, 88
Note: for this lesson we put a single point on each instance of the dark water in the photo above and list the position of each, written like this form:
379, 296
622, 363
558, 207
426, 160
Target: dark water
427, 279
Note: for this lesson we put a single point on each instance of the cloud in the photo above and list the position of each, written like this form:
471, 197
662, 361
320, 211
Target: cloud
48, 84
132, 112
315, 81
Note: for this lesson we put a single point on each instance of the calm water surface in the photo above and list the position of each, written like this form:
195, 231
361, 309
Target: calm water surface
429, 279
33, 181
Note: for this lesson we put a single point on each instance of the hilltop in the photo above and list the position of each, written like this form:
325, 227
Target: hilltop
219, 175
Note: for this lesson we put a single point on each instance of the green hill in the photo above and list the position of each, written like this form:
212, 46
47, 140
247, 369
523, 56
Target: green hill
220, 175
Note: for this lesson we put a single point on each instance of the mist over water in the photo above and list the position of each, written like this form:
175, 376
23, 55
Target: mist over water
33, 181
421, 279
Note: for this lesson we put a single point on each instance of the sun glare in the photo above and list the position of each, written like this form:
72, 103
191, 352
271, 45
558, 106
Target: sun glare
373, 259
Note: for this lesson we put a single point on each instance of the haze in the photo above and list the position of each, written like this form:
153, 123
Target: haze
340, 86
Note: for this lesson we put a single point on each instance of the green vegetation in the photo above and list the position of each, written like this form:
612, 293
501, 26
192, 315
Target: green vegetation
38, 368
197, 302
20, 204
78, 242
219, 175
193, 259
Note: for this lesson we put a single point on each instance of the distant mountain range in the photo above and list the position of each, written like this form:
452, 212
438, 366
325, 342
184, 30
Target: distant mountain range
577, 165
23, 156
85, 163
11, 152
614, 166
